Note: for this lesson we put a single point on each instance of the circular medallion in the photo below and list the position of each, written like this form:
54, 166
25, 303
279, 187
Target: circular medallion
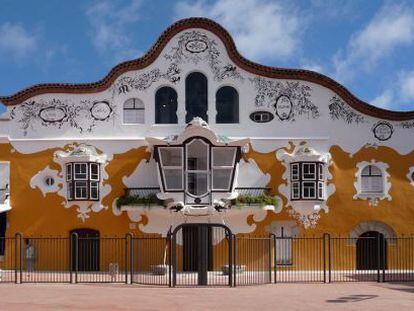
196, 46
101, 110
283, 107
52, 114
382, 130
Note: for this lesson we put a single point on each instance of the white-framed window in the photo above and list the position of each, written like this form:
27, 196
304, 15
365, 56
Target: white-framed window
83, 181
134, 111
223, 159
81, 190
69, 172
80, 171
372, 180
172, 167
307, 181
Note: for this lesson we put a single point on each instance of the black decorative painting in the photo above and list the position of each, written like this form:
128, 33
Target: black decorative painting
290, 99
83, 115
338, 109
195, 47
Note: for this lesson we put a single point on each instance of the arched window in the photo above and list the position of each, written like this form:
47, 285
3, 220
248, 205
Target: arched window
166, 106
196, 96
371, 180
227, 105
134, 111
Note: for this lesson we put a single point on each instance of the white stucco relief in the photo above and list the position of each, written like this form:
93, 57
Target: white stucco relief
39, 181
305, 212
410, 175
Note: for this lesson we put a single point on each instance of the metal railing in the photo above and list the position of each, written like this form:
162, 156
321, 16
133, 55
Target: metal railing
168, 261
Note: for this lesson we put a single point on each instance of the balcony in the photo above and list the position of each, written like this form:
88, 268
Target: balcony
147, 197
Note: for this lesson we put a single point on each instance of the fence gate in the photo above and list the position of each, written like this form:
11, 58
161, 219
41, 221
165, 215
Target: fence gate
202, 255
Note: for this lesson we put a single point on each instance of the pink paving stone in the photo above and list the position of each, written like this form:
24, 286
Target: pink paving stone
356, 296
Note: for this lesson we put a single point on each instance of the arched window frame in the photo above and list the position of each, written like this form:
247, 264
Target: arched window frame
133, 111
373, 197
189, 114
173, 119
235, 105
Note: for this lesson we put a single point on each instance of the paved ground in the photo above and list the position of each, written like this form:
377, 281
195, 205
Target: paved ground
356, 296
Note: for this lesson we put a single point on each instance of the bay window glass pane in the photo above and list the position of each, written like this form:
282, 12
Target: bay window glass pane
81, 191
223, 156
294, 171
94, 170
171, 156
222, 178
197, 155
309, 171
173, 179
70, 190
320, 190
309, 190
94, 186
68, 171
320, 166
81, 170
197, 183
295, 190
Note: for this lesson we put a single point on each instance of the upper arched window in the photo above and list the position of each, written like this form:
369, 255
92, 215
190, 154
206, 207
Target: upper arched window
196, 96
371, 180
227, 105
134, 111
166, 106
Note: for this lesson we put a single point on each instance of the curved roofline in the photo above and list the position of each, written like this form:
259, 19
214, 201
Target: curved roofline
235, 56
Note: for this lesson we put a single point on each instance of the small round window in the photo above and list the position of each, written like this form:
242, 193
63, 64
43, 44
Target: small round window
49, 181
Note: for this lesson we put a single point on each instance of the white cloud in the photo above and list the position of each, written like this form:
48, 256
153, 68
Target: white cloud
390, 28
16, 42
262, 29
385, 100
407, 86
109, 23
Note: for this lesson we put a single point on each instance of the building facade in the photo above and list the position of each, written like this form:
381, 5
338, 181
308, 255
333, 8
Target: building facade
192, 132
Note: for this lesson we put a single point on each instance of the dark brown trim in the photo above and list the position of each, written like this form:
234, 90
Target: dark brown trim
240, 61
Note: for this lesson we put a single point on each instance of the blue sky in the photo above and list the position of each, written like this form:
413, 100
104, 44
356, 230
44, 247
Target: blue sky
366, 45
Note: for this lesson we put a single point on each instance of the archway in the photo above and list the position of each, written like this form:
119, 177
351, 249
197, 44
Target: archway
85, 249
371, 251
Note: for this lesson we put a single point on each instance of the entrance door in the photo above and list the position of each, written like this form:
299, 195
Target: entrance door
193, 257
86, 254
368, 245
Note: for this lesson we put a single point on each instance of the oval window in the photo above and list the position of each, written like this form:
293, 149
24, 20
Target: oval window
261, 116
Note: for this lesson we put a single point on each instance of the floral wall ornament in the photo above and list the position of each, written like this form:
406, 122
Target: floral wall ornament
338, 109
289, 99
82, 115
195, 47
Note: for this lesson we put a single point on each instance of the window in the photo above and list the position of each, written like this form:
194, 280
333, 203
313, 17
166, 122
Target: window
197, 168
227, 105
261, 116
134, 111
166, 106
82, 181
222, 168
172, 167
372, 180
196, 96
49, 181
307, 181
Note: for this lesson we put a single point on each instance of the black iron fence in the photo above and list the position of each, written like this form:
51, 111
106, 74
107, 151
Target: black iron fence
223, 260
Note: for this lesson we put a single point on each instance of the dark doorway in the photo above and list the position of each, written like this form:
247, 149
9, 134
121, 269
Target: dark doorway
194, 239
85, 253
369, 245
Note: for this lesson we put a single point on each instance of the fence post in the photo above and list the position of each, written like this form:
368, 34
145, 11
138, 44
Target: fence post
378, 257
270, 258
74, 256
169, 240
324, 257
234, 259
128, 240
18, 258
231, 264
131, 259
174, 259
275, 256
384, 249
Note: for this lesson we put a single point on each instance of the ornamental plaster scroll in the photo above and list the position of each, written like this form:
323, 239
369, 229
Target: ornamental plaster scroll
368, 226
250, 175
373, 198
74, 153
410, 175
196, 46
39, 181
81, 114
289, 99
305, 212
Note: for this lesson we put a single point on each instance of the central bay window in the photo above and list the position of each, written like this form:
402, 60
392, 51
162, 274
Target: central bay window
197, 168
82, 181
307, 181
